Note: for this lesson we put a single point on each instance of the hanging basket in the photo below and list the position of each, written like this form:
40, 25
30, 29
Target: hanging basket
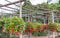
52, 27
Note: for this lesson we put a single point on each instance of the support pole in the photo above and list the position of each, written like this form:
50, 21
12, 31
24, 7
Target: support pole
28, 35
44, 18
20, 10
52, 17
20, 36
44, 21
53, 22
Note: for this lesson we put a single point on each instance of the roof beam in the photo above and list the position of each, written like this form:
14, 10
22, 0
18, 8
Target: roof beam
9, 4
10, 7
8, 10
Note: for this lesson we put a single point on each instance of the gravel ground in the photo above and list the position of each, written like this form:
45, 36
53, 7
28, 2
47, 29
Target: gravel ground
25, 36
50, 36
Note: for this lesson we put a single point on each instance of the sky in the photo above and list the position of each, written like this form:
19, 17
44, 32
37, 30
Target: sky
34, 2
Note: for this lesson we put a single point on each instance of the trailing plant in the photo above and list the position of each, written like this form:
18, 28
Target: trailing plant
52, 27
58, 27
1, 25
28, 28
14, 25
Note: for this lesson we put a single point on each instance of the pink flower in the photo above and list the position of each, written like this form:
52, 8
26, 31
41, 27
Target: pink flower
17, 33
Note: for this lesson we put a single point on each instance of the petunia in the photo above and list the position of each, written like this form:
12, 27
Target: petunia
31, 30
12, 30
25, 31
17, 33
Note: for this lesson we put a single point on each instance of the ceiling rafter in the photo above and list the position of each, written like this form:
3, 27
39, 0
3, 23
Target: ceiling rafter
8, 9
11, 8
9, 4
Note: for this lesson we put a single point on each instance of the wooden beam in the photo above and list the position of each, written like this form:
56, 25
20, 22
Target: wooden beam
9, 4
11, 8
8, 9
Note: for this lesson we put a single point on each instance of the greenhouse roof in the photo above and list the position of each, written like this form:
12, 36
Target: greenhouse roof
9, 6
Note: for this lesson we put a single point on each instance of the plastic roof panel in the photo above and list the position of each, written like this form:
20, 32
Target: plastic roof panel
3, 2
6, 1
9, 8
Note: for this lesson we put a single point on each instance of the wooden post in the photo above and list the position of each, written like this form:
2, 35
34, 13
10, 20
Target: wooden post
28, 35
53, 22
20, 9
44, 20
10, 35
28, 18
20, 35
52, 17
31, 18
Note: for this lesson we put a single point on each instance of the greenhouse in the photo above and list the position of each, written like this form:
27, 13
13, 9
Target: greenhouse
30, 19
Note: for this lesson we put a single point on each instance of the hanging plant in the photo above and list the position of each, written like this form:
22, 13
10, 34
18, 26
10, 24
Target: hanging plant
44, 27
32, 27
52, 27
58, 27
14, 25
37, 26
28, 28
1, 25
